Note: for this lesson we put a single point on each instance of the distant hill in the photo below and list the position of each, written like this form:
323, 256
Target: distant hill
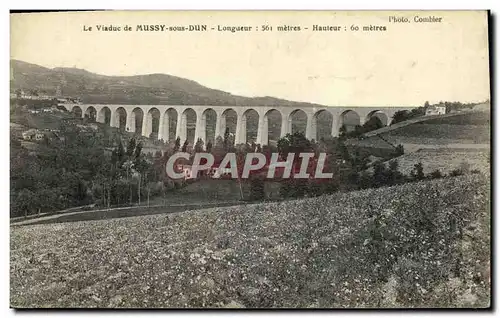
143, 89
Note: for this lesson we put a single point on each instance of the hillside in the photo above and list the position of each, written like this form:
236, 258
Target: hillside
457, 130
422, 244
465, 127
446, 160
140, 89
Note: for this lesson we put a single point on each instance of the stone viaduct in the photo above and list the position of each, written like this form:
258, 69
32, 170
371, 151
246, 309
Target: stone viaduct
127, 115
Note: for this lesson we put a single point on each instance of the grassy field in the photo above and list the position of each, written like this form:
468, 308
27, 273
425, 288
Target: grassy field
213, 190
422, 244
440, 142
440, 134
465, 128
446, 160
41, 120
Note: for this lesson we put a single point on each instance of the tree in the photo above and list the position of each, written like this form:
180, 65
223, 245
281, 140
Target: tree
379, 174
294, 143
119, 153
436, 174
359, 160
226, 139
138, 149
74, 170
417, 112
394, 175
177, 145
399, 116
456, 172
252, 146
400, 150
417, 173
209, 146
131, 147
141, 166
157, 155
128, 165
358, 131
26, 201
184, 146
198, 147
257, 188
426, 104
403, 115
219, 143
343, 132
373, 123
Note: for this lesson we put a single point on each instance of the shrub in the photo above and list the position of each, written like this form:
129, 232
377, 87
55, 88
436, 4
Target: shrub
456, 172
436, 174
400, 150
257, 189
417, 173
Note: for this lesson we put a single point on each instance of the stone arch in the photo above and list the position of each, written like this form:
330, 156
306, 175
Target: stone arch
91, 113
249, 126
135, 121
208, 125
297, 121
229, 121
121, 118
187, 125
152, 122
384, 119
77, 111
104, 115
273, 121
322, 122
350, 119
168, 125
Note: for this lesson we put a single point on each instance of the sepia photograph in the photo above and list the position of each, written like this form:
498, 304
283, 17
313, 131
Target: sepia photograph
250, 159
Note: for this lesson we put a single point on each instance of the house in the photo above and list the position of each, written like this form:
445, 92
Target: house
29, 134
36, 135
435, 110
186, 170
188, 173
39, 135
74, 100
88, 127
216, 172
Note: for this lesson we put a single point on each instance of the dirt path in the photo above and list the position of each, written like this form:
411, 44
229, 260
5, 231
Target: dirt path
122, 212
458, 146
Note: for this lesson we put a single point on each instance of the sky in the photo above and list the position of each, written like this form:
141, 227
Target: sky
406, 65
